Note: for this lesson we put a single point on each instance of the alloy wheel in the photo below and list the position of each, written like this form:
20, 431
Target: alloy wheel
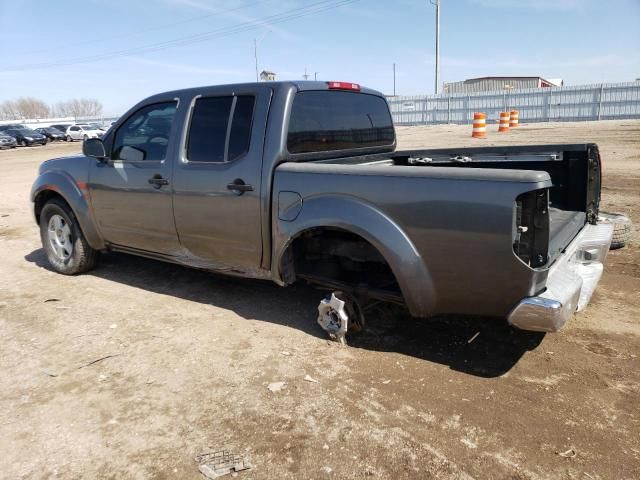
60, 240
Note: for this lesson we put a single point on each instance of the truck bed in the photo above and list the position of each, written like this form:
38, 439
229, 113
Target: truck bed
573, 168
464, 204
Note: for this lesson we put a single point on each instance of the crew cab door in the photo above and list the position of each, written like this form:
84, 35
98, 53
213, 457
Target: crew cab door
131, 192
217, 187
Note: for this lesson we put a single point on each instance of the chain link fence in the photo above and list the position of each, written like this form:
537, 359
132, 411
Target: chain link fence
607, 101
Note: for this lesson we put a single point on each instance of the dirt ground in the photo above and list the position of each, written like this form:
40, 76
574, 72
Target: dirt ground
138, 366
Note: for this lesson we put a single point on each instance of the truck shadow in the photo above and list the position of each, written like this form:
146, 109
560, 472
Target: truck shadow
450, 340
479, 346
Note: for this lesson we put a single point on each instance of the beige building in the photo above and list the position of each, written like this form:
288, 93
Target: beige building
492, 84
267, 76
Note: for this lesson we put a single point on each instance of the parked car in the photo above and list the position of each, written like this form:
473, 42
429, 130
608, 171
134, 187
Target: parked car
62, 127
301, 181
97, 126
82, 132
51, 133
7, 141
27, 137
13, 126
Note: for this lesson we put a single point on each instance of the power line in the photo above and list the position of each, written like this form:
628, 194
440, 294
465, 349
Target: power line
73, 43
287, 15
245, 26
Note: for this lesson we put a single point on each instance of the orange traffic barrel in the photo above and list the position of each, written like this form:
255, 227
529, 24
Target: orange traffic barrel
504, 122
479, 125
513, 118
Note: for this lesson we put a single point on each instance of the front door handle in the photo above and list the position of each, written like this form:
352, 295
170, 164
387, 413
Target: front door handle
239, 186
157, 181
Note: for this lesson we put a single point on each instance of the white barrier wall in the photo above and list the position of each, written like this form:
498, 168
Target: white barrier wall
608, 101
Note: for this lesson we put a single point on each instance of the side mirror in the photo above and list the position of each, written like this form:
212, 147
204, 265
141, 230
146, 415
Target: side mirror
93, 147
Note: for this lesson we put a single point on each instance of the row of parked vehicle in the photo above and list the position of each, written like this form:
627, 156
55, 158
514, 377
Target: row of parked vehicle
15, 135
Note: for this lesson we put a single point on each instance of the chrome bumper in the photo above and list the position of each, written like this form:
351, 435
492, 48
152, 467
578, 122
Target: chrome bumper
570, 284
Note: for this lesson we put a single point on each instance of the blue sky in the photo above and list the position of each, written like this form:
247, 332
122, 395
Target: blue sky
45, 50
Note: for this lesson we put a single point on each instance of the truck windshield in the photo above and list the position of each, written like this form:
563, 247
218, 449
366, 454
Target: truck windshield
328, 120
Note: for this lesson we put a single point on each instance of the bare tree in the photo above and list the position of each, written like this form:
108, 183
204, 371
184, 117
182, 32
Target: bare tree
30, 107
91, 106
79, 107
60, 109
8, 110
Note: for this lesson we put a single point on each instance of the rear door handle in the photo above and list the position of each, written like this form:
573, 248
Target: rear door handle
157, 181
239, 186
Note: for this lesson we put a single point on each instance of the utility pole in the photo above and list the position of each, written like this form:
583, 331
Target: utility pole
315, 76
255, 54
394, 79
255, 50
437, 5
306, 75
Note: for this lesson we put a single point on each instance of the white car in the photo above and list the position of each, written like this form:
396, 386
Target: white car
82, 132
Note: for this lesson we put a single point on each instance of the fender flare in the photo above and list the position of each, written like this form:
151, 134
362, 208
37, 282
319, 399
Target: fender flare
76, 194
363, 219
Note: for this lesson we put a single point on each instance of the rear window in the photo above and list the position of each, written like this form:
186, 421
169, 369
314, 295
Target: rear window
208, 132
211, 138
329, 120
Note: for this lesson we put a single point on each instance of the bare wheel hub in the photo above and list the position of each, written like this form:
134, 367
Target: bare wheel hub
339, 313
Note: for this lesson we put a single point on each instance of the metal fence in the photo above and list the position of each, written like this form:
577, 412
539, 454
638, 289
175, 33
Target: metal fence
607, 101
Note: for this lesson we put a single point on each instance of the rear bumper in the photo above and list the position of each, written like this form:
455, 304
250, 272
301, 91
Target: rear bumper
570, 284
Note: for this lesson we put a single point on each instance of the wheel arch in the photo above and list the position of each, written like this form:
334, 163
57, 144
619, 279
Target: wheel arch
365, 221
75, 194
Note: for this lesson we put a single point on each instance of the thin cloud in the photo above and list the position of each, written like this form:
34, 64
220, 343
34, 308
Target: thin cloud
197, 5
541, 5
529, 63
179, 67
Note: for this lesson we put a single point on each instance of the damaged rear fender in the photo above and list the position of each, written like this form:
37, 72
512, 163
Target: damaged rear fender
360, 218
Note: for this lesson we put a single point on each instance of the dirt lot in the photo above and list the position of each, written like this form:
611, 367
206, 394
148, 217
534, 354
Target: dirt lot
190, 356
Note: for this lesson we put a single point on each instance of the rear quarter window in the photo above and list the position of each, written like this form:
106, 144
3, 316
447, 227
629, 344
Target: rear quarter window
328, 120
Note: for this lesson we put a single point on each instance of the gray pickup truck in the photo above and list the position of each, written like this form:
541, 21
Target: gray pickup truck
301, 181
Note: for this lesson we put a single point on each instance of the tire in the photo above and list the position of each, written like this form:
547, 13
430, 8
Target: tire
69, 139
621, 228
85, 138
62, 240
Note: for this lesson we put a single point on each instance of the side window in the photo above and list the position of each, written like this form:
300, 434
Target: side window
240, 135
208, 130
210, 134
145, 134
74, 129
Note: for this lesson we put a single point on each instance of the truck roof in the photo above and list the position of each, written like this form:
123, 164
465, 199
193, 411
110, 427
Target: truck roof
299, 84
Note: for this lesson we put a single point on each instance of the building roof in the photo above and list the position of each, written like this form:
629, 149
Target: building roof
505, 77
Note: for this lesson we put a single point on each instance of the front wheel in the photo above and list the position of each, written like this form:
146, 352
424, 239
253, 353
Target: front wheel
67, 250
68, 139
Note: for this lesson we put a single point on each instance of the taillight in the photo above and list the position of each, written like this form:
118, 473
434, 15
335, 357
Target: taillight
531, 242
343, 86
